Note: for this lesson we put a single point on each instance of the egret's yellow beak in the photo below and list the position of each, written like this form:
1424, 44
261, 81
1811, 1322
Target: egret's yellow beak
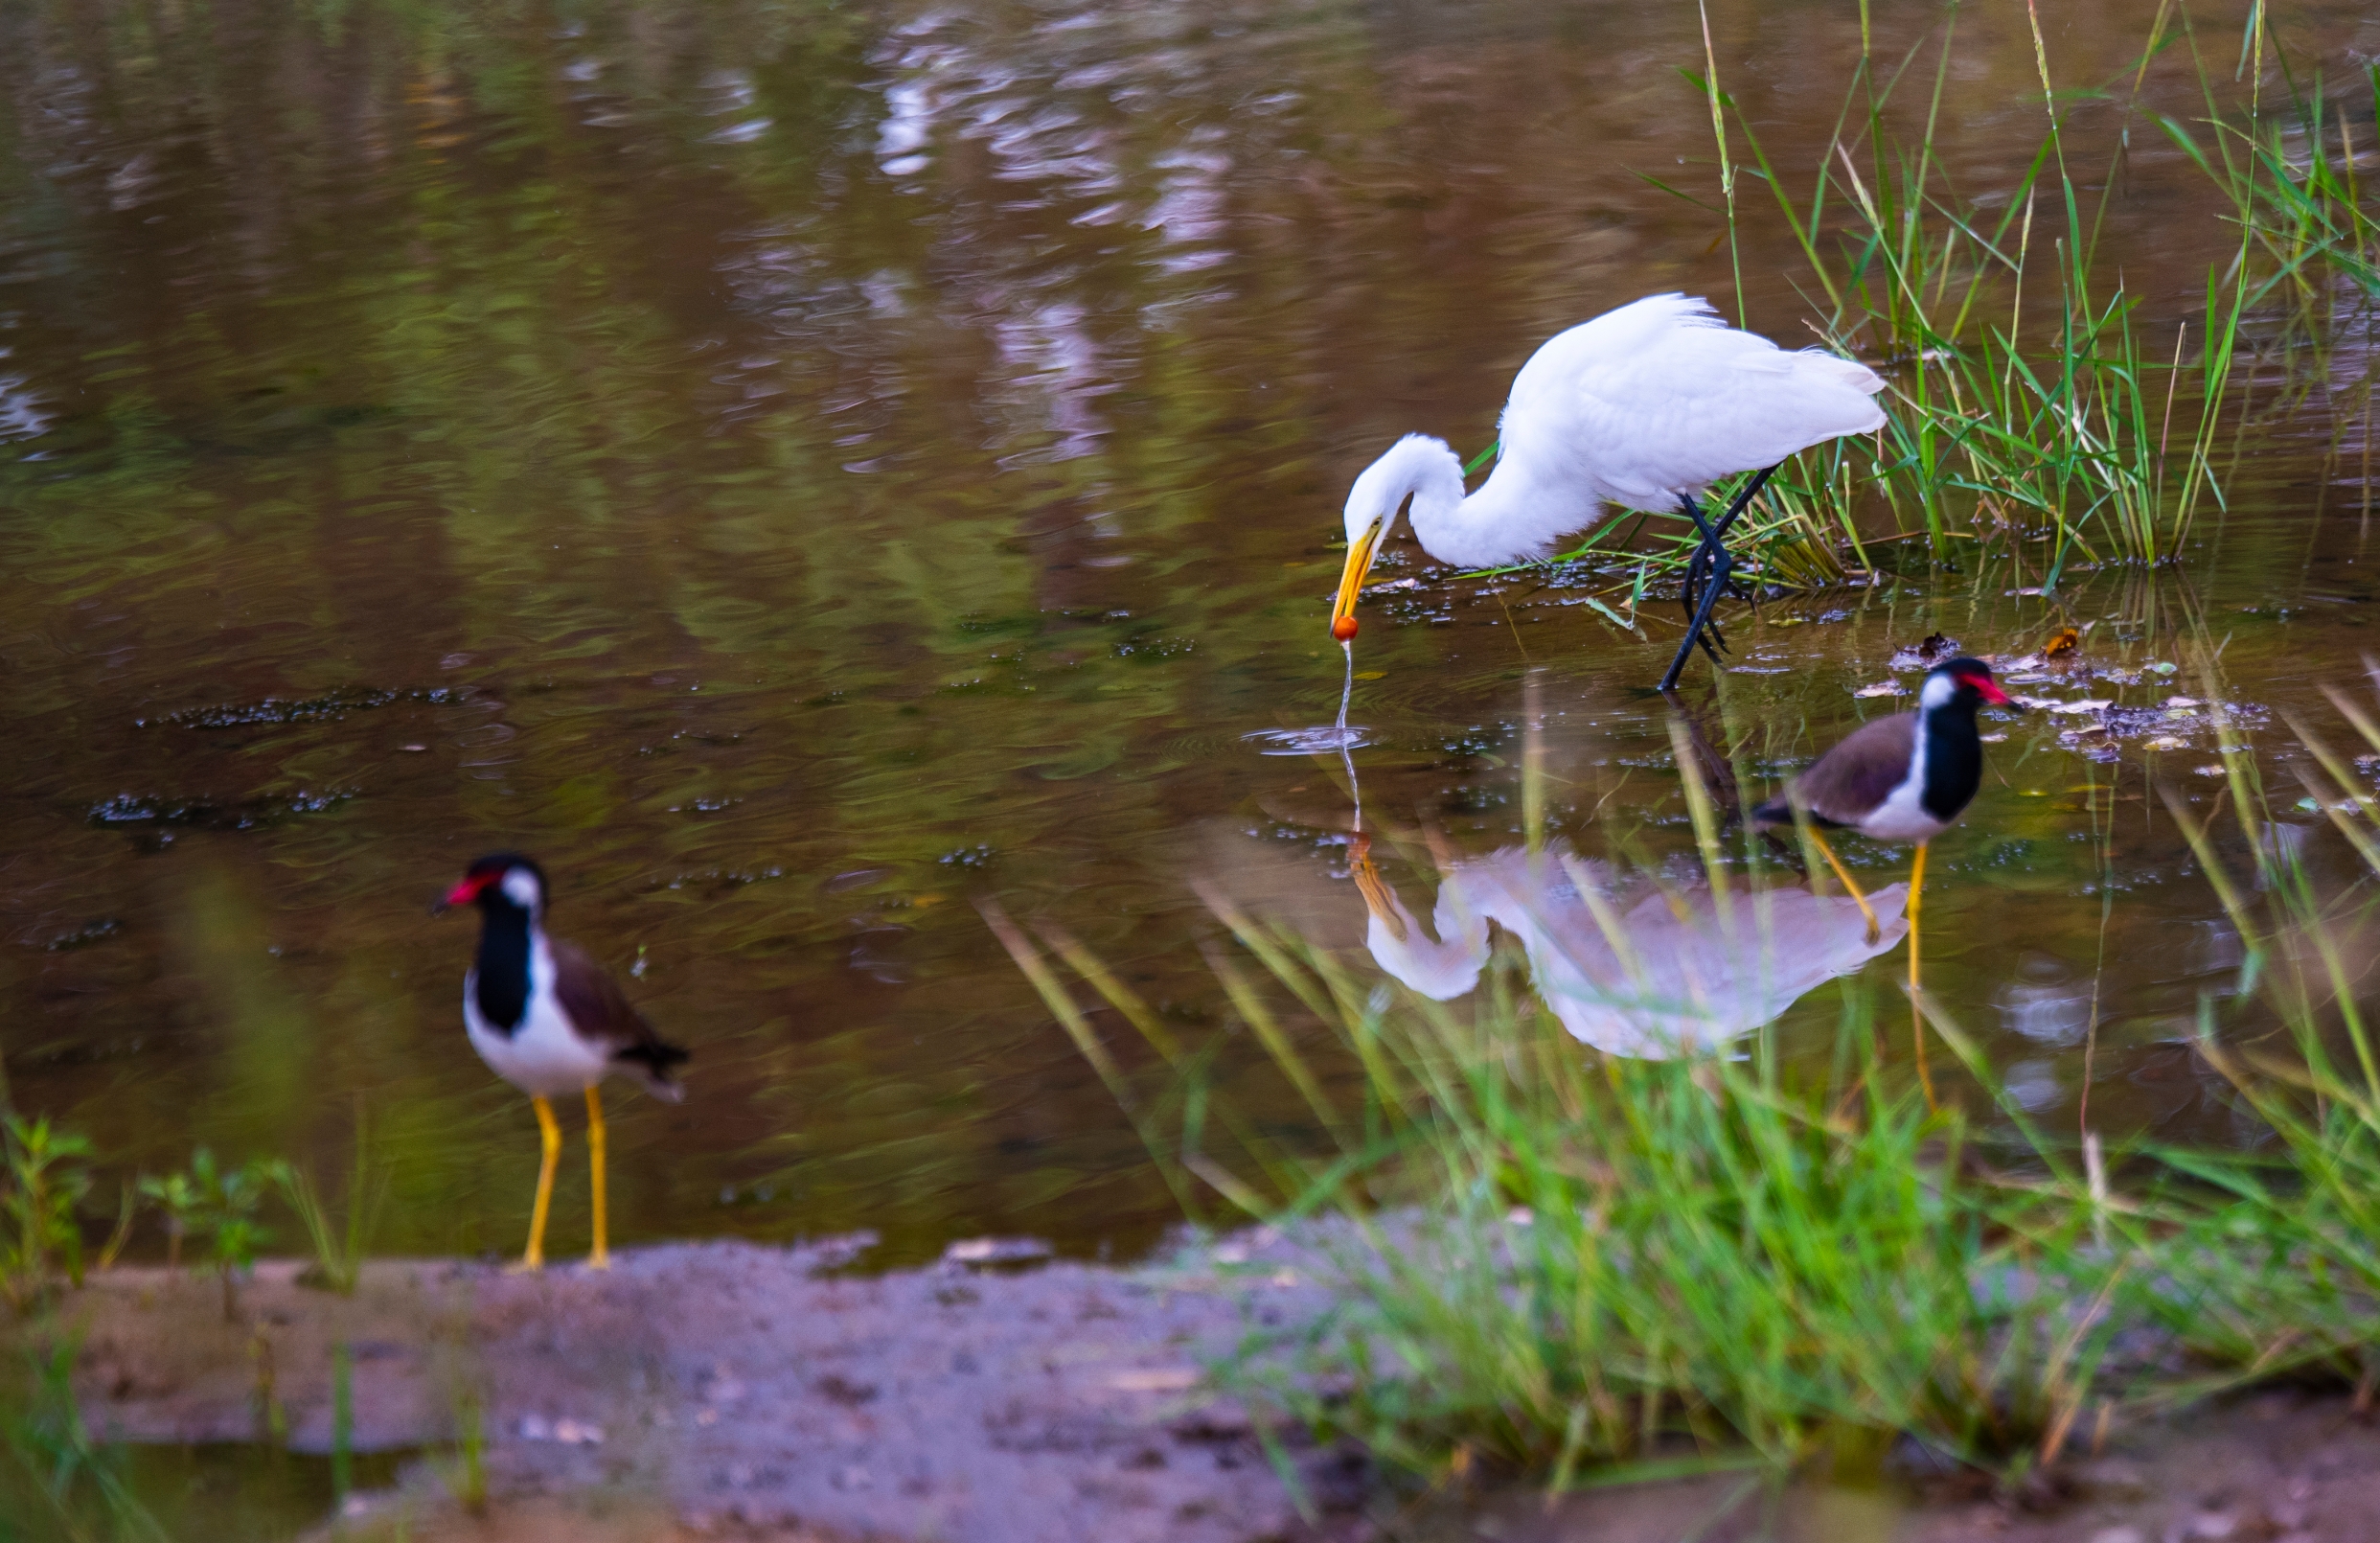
1351, 581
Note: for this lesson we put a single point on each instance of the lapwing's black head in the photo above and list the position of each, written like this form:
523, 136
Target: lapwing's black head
1961, 683
501, 882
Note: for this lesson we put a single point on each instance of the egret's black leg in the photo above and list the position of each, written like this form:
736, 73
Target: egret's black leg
1699, 567
1721, 567
1721, 570
1706, 574
1742, 501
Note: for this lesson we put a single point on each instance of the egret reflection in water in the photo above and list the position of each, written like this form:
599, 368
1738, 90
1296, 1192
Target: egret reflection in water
1641, 967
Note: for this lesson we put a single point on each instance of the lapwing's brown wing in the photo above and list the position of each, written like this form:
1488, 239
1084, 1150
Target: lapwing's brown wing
1849, 781
603, 1015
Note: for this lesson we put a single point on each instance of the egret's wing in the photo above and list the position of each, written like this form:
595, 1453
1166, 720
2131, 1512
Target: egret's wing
1661, 398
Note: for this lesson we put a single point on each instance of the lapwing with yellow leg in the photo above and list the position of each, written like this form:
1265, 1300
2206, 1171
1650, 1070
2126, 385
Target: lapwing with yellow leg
548, 1020
1903, 778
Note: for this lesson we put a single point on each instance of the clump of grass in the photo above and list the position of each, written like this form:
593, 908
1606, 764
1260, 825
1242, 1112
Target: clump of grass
47, 1175
339, 1247
220, 1205
174, 1195
2025, 402
2028, 401
1567, 1263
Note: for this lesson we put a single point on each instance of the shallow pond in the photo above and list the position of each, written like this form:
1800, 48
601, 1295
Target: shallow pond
802, 469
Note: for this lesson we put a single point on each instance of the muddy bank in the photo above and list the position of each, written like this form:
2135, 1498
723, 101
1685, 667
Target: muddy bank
724, 1389
725, 1386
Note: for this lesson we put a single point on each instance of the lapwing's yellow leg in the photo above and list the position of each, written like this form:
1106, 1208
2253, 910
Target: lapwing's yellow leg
600, 1257
1874, 930
1917, 1013
551, 1134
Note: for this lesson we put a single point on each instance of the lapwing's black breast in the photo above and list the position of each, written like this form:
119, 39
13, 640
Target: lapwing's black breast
1954, 761
501, 983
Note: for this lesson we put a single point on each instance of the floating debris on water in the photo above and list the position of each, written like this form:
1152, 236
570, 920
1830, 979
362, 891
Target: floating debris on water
720, 880
84, 937
1154, 648
131, 808
276, 710
1925, 655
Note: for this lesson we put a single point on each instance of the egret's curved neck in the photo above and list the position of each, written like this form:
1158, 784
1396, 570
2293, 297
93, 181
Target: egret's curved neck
1506, 521
1430, 471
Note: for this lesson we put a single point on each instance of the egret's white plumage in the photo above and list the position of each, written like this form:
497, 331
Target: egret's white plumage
1639, 409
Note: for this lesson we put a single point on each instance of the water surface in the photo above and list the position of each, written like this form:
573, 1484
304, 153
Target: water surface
800, 470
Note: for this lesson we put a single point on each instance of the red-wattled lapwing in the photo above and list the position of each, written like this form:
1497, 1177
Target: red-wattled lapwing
549, 1021
1901, 778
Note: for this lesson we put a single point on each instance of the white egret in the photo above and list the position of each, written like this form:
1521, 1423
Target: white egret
1642, 407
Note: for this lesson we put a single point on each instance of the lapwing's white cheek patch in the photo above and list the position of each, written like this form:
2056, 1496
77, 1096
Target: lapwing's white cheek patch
520, 887
1939, 691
